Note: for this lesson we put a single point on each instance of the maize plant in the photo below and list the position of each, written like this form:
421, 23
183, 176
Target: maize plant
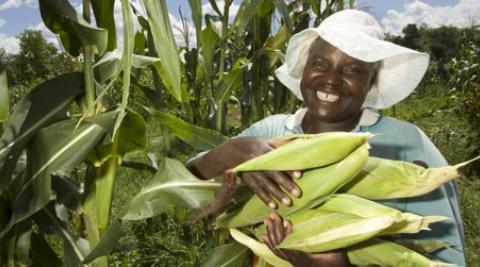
61, 147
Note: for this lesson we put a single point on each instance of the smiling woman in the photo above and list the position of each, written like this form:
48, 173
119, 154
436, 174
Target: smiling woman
334, 87
344, 71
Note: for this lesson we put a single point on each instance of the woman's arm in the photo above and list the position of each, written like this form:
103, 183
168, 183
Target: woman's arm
267, 185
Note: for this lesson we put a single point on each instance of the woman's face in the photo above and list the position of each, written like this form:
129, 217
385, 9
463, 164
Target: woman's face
334, 85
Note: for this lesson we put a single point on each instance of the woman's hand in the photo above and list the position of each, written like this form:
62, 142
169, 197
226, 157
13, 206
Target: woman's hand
267, 185
278, 229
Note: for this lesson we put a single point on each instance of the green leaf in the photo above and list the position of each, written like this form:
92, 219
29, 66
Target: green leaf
209, 41
140, 42
67, 191
103, 10
215, 7
196, 7
283, 9
131, 137
198, 137
4, 98
316, 6
233, 80
228, 255
108, 66
111, 64
41, 253
22, 245
247, 10
173, 186
108, 242
165, 46
128, 36
62, 18
75, 248
45, 104
258, 248
60, 146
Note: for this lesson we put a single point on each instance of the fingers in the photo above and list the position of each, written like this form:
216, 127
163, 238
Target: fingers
253, 180
288, 227
285, 182
271, 185
276, 233
268, 186
295, 174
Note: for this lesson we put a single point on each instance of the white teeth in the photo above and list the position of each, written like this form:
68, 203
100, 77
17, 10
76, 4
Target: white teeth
327, 97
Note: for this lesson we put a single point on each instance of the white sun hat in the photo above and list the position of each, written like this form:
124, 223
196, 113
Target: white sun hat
359, 35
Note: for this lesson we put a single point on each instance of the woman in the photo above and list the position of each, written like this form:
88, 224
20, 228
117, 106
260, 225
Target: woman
344, 72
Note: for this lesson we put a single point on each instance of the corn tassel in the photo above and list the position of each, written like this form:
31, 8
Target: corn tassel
388, 179
306, 152
317, 185
386, 253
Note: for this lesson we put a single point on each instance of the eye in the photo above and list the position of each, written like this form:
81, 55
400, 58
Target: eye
319, 64
353, 69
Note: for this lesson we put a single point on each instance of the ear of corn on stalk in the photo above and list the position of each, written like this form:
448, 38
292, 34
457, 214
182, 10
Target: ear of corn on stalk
388, 179
386, 253
259, 249
316, 185
305, 152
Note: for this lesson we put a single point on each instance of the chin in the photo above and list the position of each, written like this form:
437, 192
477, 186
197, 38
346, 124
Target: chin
324, 115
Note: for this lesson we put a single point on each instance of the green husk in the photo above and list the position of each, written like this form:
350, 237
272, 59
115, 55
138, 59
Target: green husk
386, 253
316, 185
388, 179
310, 151
258, 248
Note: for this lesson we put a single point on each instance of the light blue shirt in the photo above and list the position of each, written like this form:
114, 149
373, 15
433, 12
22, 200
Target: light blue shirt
397, 140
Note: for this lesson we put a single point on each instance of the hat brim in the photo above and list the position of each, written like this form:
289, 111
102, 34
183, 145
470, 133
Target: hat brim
400, 72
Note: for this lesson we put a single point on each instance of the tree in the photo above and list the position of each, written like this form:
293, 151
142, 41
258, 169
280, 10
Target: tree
411, 37
33, 60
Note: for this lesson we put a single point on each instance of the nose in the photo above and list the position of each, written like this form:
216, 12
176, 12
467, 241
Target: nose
332, 77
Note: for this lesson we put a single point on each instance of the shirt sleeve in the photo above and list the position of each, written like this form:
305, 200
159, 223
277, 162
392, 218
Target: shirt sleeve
441, 202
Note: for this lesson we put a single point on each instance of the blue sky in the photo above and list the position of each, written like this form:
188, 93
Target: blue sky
17, 15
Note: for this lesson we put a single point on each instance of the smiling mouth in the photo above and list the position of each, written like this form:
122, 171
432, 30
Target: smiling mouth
326, 97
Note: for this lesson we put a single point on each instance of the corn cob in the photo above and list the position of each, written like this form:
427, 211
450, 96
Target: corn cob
306, 152
258, 248
388, 179
405, 222
343, 214
386, 253
316, 186
319, 231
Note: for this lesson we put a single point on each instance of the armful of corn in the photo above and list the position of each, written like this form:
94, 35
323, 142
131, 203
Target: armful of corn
323, 220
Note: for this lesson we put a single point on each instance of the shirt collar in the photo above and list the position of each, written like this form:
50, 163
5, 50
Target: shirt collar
369, 117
